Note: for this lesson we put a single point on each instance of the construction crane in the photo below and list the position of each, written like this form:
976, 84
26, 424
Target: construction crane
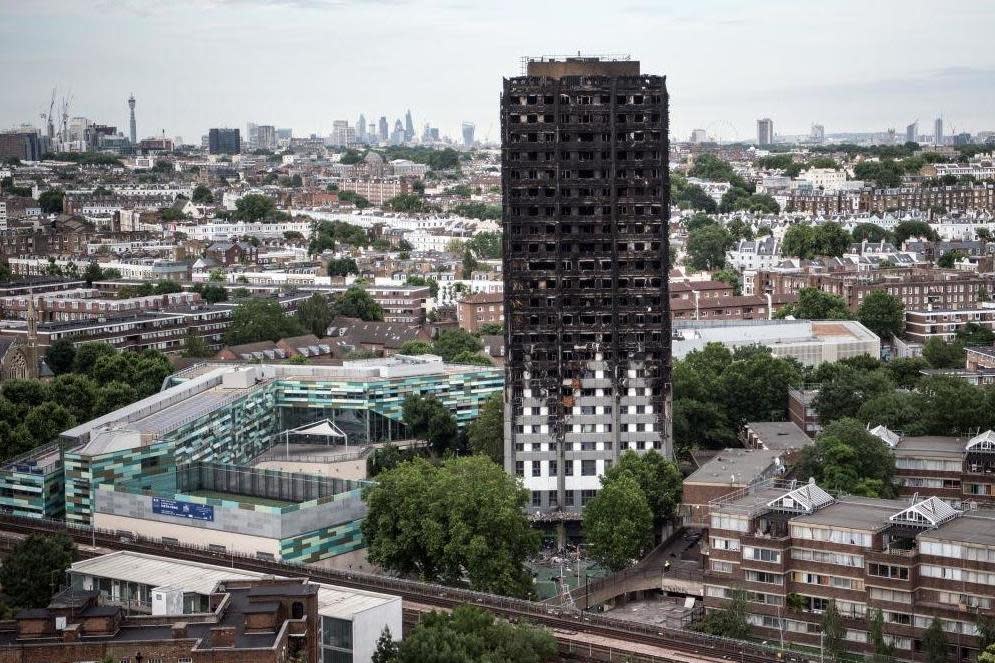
65, 116
51, 122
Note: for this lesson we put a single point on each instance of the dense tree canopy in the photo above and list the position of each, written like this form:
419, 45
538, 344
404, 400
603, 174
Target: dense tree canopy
470, 634
485, 434
707, 246
451, 343
618, 524
659, 479
882, 313
356, 302
807, 241
427, 418
846, 457
260, 320
255, 207
460, 523
33, 570
315, 314
911, 229
814, 304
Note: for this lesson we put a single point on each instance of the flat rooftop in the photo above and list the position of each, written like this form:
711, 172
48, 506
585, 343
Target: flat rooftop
779, 435
975, 527
198, 578
931, 445
735, 467
853, 512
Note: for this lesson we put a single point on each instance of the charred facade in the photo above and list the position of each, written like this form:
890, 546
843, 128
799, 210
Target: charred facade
587, 314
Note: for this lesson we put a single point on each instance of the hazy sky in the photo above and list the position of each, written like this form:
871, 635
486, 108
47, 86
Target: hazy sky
852, 65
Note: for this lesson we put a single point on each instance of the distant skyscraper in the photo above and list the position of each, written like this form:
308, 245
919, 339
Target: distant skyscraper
342, 133
765, 132
250, 135
409, 127
224, 141
699, 136
132, 127
892, 135
468, 129
587, 319
384, 129
912, 132
399, 135
938, 131
818, 134
266, 137
361, 128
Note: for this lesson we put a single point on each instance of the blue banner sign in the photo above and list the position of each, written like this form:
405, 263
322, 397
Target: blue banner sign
178, 509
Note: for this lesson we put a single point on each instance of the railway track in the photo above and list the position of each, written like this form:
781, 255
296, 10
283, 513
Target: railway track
561, 620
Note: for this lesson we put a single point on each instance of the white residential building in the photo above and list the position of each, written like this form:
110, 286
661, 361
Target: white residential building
754, 254
827, 179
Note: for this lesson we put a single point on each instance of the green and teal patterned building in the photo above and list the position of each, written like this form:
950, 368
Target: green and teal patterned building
231, 413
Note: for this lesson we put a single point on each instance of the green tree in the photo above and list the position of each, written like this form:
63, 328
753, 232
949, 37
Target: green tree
472, 359
254, 207
987, 655
202, 195
415, 348
194, 345
387, 650
92, 273
469, 634
984, 234
870, 232
418, 279
60, 356
34, 568
973, 334
453, 342
115, 395
833, 632
935, 646
846, 456
699, 424
948, 259
342, 266
51, 201
315, 315
846, 389
882, 313
757, 386
884, 651
459, 523
814, 304
356, 302
883, 174
87, 355
659, 479
426, 417
260, 320
898, 411
618, 524
941, 354
485, 245
908, 229
707, 246
728, 622
731, 277
77, 393
171, 214
906, 372
485, 434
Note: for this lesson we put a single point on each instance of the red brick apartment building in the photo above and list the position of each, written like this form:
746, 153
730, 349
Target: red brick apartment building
248, 622
918, 288
958, 470
943, 323
975, 197
792, 548
480, 308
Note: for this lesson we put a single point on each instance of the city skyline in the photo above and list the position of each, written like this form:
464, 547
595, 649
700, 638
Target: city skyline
187, 55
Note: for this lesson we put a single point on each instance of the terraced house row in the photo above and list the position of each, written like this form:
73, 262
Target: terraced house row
793, 548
